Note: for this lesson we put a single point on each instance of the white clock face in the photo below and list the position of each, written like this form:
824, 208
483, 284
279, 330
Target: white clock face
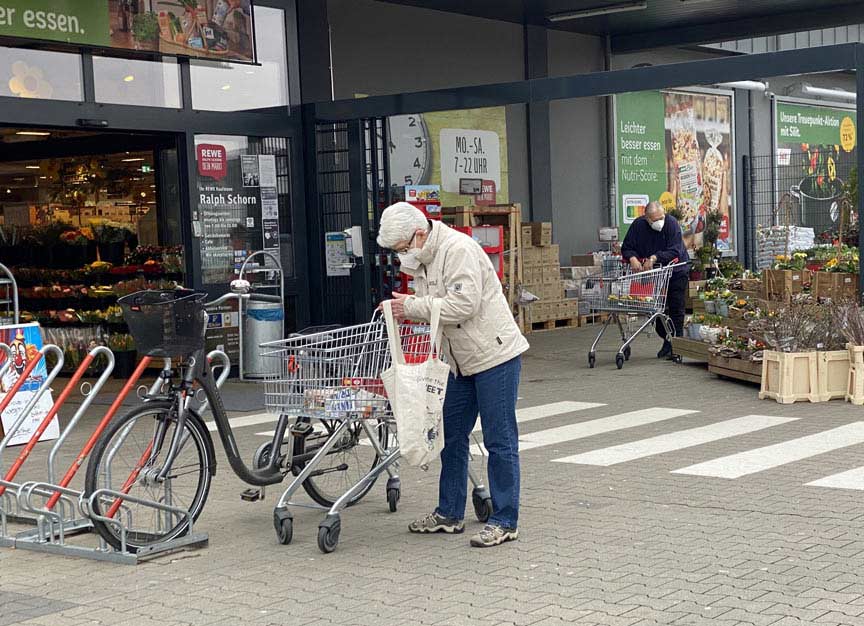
410, 153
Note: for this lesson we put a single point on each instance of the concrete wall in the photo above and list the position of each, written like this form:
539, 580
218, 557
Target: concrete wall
577, 141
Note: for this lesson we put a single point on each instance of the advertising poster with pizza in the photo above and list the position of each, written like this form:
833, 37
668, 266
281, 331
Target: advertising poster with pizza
25, 341
677, 148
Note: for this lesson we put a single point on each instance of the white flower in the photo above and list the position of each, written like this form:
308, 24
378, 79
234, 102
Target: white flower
29, 81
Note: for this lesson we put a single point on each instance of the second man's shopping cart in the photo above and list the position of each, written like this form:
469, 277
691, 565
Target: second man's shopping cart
617, 291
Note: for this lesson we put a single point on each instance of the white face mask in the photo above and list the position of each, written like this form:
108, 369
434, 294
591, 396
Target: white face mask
658, 225
408, 259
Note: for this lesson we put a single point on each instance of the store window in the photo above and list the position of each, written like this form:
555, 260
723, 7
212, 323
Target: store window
140, 83
40, 74
237, 87
87, 226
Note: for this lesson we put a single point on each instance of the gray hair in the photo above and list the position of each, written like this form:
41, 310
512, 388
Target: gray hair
653, 207
399, 222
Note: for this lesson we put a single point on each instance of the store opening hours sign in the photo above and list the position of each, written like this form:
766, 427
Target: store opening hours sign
469, 154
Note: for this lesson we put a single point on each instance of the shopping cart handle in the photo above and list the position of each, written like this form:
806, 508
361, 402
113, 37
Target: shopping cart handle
263, 297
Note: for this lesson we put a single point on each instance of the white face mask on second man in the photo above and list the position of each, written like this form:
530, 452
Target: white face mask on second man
658, 225
408, 259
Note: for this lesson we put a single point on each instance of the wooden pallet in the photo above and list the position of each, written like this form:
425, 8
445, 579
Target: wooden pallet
568, 322
593, 318
739, 369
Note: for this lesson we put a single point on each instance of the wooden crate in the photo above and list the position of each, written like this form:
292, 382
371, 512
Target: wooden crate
783, 284
834, 285
738, 369
690, 349
789, 377
833, 374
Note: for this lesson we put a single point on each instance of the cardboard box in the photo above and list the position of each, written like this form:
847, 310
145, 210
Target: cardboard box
532, 257
582, 260
526, 235
541, 233
551, 255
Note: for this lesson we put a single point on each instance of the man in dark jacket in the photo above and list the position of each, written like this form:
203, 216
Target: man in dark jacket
655, 239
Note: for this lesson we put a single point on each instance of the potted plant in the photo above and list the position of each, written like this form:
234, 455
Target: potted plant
111, 241
710, 297
125, 356
724, 299
145, 31
694, 329
848, 317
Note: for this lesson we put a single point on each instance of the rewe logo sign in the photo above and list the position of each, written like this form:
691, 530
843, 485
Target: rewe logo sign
212, 161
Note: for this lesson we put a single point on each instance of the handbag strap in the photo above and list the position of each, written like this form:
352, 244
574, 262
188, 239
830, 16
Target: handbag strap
393, 336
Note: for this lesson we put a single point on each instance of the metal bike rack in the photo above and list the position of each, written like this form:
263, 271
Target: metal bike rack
54, 524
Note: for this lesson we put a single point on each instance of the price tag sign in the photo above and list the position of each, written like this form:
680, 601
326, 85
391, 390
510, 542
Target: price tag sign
469, 154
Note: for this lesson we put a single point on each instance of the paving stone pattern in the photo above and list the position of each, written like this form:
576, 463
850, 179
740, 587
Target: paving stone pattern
631, 544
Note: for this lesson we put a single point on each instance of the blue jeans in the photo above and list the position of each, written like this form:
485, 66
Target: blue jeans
493, 393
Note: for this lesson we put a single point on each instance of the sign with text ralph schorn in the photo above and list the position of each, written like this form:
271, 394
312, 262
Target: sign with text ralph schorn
213, 29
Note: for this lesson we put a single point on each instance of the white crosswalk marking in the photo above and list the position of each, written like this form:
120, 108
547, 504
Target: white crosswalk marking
851, 479
528, 414
761, 459
580, 430
674, 441
246, 420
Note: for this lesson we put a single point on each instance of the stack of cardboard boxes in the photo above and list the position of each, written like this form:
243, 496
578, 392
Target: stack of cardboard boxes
541, 276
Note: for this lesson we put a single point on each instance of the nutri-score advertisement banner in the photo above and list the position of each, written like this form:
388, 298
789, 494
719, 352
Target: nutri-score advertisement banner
677, 148
815, 152
212, 29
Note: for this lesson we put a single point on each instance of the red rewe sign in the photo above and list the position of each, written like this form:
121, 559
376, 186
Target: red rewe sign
212, 161
489, 195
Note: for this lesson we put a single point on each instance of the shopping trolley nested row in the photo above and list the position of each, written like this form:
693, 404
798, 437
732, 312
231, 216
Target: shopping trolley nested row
330, 382
619, 291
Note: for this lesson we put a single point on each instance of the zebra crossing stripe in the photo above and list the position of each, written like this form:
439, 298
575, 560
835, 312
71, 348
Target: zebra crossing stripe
580, 430
674, 441
528, 414
768, 457
851, 479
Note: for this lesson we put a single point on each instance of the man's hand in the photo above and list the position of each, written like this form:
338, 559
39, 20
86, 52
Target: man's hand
649, 263
635, 264
397, 304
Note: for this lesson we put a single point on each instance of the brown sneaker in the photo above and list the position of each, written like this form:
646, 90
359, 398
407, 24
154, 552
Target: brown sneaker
494, 535
435, 523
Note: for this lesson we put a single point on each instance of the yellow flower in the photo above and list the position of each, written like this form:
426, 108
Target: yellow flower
831, 263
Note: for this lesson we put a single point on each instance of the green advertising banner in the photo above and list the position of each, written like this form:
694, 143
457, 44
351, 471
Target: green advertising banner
676, 148
212, 29
70, 21
815, 153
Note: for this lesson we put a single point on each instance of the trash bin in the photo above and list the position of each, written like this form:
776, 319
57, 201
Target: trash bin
263, 324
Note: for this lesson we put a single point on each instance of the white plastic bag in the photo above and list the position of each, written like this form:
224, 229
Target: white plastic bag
416, 392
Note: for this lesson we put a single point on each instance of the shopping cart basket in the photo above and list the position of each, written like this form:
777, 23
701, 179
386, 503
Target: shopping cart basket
617, 291
330, 382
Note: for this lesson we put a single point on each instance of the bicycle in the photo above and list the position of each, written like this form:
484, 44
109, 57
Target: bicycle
162, 450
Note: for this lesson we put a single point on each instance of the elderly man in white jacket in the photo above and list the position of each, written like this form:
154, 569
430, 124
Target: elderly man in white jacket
484, 347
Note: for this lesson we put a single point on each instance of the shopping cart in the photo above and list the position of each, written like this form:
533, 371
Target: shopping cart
618, 290
330, 382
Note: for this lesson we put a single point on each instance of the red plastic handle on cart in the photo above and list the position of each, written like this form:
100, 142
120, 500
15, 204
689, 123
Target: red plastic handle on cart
61, 399
88, 447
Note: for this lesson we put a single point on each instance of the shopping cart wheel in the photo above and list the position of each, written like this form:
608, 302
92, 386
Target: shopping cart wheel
677, 358
482, 501
283, 522
394, 492
627, 352
328, 533
592, 359
619, 360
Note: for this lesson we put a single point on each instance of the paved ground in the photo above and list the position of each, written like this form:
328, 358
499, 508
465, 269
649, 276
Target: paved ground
628, 543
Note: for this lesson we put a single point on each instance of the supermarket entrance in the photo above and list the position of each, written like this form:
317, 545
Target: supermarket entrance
86, 217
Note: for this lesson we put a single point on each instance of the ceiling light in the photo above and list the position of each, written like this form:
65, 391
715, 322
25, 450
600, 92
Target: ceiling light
749, 85
128, 79
31, 167
135, 160
226, 87
8, 191
831, 94
33, 133
598, 10
43, 178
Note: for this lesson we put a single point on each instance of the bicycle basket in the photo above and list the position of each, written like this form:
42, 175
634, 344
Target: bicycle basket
166, 323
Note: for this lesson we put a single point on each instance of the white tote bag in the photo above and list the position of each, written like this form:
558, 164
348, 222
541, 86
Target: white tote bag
416, 392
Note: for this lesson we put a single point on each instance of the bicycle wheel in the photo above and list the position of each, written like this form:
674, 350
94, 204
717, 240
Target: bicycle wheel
126, 458
347, 463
